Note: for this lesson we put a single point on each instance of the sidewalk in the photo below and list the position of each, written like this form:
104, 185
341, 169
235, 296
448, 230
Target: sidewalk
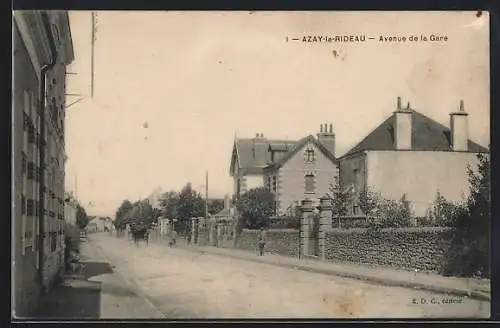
474, 288
101, 293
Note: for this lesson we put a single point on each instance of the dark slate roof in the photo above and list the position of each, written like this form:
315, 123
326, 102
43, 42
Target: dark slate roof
427, 134
243, 150
280, 147
298, 145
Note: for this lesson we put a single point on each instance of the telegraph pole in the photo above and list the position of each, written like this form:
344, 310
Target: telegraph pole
206, 195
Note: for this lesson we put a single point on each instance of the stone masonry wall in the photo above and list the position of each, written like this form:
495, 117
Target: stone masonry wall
405, 248
278, 241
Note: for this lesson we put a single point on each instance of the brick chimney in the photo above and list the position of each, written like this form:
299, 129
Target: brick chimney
259, 147
326, 137
459, 129
403, 126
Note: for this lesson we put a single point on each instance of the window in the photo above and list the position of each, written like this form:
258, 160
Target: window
31, 132
31, 170
310, 183
23, 162
23, 204
310, 155
275, 184
30, 207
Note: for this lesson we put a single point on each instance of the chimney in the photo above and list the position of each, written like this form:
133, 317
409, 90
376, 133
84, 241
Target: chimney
327, 138
459, 129
226, 202
260, 145
403, 126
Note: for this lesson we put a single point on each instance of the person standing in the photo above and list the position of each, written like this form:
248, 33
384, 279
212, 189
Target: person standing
262, 241
173, 237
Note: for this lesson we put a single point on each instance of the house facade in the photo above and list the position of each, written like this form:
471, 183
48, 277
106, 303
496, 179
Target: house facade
304, 172
292, 170
412, 155
42, 48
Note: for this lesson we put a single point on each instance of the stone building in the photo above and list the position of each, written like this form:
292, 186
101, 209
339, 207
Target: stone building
249, 157
305, 172
42, 48
293, 170
412, 155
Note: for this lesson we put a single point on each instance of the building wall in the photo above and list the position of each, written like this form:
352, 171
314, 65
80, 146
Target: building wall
26, 161
25, 83
419, 175
291, 178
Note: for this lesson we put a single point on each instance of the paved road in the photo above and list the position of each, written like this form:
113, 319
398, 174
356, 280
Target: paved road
186, 284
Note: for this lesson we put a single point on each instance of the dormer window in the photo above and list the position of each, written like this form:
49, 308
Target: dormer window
310, 155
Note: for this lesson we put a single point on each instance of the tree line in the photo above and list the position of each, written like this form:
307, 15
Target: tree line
180, 206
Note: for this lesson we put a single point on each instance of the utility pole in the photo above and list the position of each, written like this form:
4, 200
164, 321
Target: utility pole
206, 195
92, 55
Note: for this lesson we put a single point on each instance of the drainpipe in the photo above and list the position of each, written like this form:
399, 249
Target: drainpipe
42, 145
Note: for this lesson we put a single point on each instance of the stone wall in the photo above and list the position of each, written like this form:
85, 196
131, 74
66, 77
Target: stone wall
404, 248
278, 241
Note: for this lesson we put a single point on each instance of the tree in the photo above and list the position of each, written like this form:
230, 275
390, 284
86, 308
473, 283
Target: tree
121, 214
469, 253
190, 204
168, 204
255, 207
141, 214
81, 217
340, 197
369, 201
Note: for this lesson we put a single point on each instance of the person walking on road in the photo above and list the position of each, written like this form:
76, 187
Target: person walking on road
173, 237
262, 242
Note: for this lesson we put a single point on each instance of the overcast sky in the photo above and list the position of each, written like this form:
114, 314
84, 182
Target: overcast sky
172, 89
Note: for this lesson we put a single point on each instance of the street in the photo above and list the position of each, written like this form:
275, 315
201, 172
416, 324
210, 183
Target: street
184, 284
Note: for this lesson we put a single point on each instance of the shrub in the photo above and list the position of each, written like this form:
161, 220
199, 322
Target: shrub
390, 213
445, 213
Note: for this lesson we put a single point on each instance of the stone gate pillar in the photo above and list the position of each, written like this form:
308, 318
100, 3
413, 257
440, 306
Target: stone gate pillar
325, 223
194, 222
306, 210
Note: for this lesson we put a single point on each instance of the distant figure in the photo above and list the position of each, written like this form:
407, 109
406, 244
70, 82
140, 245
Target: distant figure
262, 242
173, 238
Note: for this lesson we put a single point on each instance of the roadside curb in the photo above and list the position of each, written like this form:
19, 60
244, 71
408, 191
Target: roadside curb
131, 282
478, 295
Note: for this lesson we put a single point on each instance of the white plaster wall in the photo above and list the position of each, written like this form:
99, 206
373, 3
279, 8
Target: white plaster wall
420, 174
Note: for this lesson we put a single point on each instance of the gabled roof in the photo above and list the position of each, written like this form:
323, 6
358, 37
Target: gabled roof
243, 153
297, 147
427, 134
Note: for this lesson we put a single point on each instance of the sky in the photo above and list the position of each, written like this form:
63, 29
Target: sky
173, 89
